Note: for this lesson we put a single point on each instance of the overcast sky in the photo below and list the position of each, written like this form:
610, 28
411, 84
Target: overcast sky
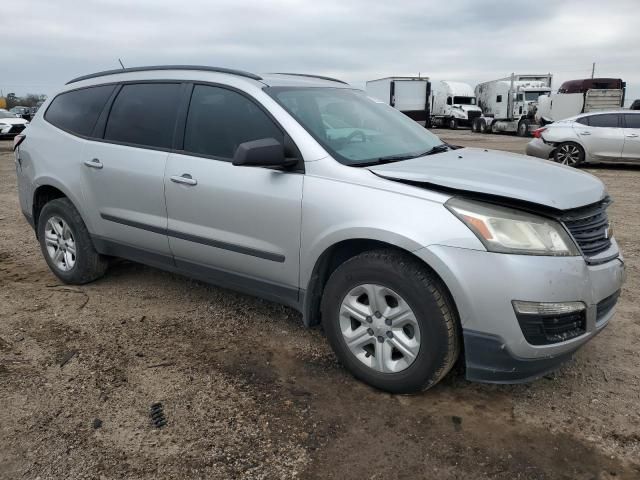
44, 43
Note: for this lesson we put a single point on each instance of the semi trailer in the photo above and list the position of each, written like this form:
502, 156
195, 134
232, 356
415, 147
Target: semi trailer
410, 95
581, 96
509, 104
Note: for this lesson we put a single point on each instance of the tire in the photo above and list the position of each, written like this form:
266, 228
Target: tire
523, 128
484, 128
569, 153
432, 316
86, 265
475, 125
453, 124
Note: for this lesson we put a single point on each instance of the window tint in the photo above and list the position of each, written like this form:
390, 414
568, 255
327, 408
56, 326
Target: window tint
78, 111
219, 120
499, 99
583, 120
607, 120
144, 114
632, 121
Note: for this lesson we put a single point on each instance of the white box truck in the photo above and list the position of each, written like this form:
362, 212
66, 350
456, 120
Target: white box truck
581, 96
510, 104
453, 104
410, 95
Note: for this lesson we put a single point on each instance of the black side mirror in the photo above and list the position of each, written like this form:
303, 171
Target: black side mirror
266, 152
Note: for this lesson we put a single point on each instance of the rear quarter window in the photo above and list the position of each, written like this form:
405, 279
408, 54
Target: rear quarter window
632, 120
77, 111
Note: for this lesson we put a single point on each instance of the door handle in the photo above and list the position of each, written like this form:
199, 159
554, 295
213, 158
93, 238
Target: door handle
94, 163
185, 178
585, 133
632, 135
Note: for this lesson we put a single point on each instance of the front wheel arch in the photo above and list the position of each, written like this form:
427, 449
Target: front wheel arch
334, 256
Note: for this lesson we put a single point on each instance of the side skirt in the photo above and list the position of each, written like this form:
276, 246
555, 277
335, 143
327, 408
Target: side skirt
282, 294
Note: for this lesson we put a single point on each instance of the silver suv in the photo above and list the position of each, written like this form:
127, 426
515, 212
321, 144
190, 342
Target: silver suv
410, 252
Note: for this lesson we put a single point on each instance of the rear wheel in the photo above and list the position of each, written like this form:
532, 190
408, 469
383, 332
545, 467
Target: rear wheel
390, 321
569, 153
66, 244
475, 125
523, 128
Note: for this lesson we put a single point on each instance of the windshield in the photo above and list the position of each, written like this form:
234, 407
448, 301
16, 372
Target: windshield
464, 100
7, 115
533, 96
352, 127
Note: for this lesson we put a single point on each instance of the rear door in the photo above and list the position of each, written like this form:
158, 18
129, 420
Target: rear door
235, 226
631, 150
124, 173
601, 135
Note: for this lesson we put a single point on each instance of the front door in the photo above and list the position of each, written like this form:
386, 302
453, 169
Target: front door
631, 150
602, 137
124, 174
235, 226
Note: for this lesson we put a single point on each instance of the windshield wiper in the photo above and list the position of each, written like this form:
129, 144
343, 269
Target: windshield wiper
397, 158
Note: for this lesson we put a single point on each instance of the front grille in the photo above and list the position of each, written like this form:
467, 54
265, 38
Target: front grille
547, 329
589, 226
606, 305
473, 114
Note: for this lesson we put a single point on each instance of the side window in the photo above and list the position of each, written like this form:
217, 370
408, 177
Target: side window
219, 120
632, 121
449, 101
583, 120
144, 114
77, 111
499, 99
607, 120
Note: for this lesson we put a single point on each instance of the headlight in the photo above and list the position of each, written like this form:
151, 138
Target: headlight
505, 230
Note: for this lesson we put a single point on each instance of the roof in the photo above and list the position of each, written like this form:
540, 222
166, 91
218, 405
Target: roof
272, 79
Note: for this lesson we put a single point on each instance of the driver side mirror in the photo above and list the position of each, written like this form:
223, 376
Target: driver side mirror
266, 152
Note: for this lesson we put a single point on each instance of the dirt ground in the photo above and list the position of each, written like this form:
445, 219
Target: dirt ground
248, 392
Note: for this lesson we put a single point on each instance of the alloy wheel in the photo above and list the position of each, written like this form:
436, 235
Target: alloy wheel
568, 155
60, 244
379, 328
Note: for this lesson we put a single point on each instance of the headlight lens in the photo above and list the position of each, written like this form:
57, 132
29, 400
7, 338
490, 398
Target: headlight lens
506, 230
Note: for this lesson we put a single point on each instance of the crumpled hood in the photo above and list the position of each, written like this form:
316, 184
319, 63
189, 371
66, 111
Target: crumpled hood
500, 173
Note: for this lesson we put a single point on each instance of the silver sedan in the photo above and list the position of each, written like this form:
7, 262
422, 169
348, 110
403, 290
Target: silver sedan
611, 136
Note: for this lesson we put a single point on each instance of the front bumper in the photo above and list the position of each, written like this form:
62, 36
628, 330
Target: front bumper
484, 284
537, 148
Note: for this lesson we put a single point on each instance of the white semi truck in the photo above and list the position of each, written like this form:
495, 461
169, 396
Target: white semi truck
581, 96
410, 95
510, 104
453, 104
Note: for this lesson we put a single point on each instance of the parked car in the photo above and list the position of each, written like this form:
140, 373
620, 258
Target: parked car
612, 136
22, 112
11, 124
408, 251
635, 105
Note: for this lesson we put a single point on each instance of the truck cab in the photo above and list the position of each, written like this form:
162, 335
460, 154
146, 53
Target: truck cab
453, 104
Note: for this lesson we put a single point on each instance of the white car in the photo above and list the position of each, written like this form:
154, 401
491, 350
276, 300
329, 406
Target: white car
11, 124
608, 136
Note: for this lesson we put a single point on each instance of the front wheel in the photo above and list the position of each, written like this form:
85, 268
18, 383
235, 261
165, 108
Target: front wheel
569, 153
390, 321
453, 124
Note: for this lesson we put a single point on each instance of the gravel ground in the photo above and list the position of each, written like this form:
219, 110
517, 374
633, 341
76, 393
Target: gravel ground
249, 393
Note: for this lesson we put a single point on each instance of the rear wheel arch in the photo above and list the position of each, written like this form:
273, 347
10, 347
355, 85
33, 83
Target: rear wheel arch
43, 195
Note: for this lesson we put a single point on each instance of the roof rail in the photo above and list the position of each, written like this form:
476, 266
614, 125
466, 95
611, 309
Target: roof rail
311, 76
240, 73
